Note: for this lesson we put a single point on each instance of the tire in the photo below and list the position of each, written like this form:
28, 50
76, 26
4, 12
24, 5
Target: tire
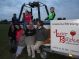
43, 54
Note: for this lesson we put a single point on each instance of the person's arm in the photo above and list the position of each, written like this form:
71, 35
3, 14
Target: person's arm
47, 18
53, 16
9, 33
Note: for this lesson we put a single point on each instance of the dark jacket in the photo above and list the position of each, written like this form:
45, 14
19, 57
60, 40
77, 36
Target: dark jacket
41, 34
12, 34
13, 43
15, 20
29, 32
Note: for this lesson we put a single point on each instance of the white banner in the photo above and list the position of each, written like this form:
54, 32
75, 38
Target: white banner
65, 36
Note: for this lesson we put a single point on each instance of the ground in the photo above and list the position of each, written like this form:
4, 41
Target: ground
4, 46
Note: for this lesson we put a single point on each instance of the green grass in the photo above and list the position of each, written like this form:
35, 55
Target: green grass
4, 46
4, 41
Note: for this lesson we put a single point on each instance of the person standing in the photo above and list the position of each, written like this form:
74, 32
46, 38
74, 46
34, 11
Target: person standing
30, 38
27, 18
14, 19
12, 38
19, 39
40, 37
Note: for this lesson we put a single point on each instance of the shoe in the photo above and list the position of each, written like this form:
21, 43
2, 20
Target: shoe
33, 56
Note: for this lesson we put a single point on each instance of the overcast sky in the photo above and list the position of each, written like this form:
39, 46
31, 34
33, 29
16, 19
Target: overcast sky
63, 8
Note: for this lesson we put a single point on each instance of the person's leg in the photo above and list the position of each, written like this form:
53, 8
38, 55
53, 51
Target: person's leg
37, 45
10, 44
28, 44
13, 46
19, 50
36, 48
32, 42
33, 51
29, 50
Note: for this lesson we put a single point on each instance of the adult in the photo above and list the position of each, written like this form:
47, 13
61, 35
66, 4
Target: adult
14, 19
27, 17
41, 36
12, 38
30, 38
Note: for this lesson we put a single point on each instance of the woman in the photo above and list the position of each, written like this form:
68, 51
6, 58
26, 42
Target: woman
19, 39
12, 38
30, 38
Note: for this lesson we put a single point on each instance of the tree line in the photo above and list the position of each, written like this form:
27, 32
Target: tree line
5, 21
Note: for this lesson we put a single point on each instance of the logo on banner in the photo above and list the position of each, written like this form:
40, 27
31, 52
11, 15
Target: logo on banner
62, 37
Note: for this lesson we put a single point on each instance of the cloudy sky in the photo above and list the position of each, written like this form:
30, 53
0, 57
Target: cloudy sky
63, 8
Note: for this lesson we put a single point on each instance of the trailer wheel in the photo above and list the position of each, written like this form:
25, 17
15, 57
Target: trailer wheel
43, 54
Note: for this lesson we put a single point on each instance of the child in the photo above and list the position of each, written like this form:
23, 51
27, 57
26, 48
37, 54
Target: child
52, 14
19, 39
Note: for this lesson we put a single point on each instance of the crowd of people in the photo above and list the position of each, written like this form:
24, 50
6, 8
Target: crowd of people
25, 34
32, 38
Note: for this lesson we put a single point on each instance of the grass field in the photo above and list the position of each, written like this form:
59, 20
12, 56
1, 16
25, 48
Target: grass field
4, 46
4, 41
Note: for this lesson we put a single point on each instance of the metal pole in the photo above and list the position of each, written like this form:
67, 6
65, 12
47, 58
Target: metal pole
32, 13
46, 10
39, 16
21, 11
